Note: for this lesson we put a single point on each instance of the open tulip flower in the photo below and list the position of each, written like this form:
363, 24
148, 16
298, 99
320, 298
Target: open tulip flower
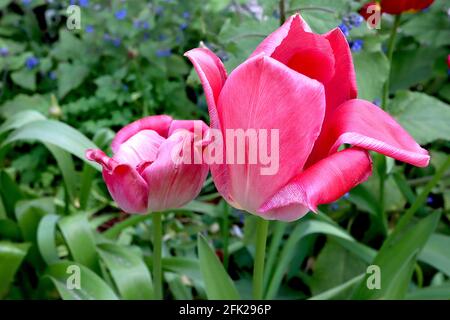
142, 175
302, 84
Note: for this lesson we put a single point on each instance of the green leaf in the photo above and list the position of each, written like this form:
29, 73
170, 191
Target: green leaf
424, 117
70, 76
56, 133
303, 229
396, 260
371, 73
92, 287
436, 252
80, 240
25, 78
11, 256
23, 102
339, 290
46, 238
67, 167
20, 119
441, 292
183, 266
218, 284
128, 270
431, 28
179, 290
334, 265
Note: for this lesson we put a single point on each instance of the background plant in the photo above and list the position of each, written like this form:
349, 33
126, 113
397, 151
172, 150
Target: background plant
64, 91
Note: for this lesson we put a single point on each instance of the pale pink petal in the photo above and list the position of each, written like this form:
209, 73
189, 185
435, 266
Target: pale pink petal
324, 182
160, 124
142, 147
361, 123
174, 178
128, 189
271, 42
262, 93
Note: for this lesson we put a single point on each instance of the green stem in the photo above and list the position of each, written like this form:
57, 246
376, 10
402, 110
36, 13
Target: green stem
390, 53
258, 269
225, 233
282, 8
312, 8
157, 248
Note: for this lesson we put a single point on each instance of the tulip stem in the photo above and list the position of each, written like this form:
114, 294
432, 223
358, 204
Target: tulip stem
258, 269
157, 244
390, 54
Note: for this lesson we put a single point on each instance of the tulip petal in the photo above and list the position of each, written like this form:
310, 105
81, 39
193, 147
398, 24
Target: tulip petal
342, 86
262, 93
324, 182
142, 147
128, 189
271, 42
195, 126
212, 74
175, 181
160, 124
361, 123
305, 52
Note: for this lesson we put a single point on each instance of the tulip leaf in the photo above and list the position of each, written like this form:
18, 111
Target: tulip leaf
303, 229
436, 253
424, 117
46, 235
441, 292
218, 284
11, 256
56, 133
335, 265
128, 270
79, 238
396, 260
76, 282
20, 119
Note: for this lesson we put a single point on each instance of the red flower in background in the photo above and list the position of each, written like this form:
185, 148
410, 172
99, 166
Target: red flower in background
400, 6
394, 6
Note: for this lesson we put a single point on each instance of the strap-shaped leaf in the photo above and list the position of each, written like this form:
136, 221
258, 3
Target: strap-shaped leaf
218, 284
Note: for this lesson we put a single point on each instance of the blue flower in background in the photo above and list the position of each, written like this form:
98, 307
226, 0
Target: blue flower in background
353, 20
52, 75
162, 37
89, 29
377, 102
31, 62
121, 14
183, 26
26, 2
334, 206
116, 42
163, 53
186, 15
345, 30
84, 3
159, 10
145, 25
4, 51
356, 45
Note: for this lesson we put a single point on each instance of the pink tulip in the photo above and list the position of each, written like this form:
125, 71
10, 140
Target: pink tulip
304, 85
142, 175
